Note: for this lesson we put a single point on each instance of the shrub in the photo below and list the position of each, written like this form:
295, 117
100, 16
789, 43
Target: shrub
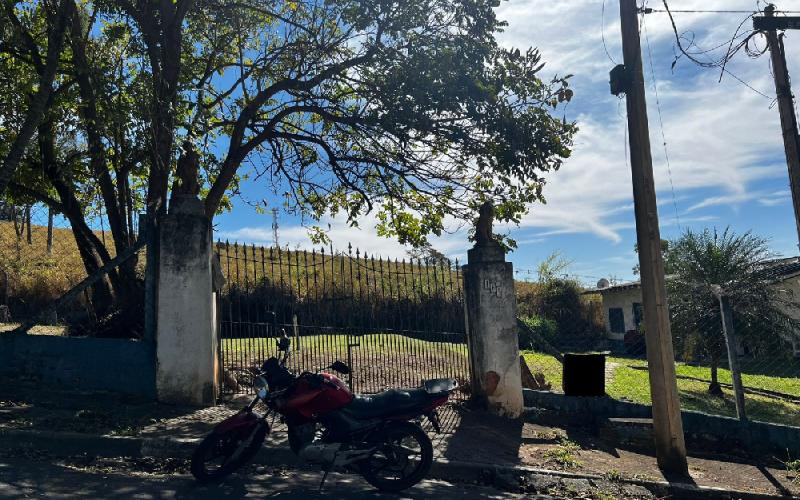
542, 327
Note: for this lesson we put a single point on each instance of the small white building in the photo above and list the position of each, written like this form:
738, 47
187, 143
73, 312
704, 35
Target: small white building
622, 303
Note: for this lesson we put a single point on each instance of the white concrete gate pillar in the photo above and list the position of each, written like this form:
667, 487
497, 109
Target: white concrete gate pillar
492, 324
186, 339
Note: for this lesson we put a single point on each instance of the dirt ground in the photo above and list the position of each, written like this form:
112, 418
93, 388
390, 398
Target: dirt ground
536, 441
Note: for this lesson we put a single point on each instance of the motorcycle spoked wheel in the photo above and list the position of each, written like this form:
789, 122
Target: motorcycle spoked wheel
403, 458
218, 455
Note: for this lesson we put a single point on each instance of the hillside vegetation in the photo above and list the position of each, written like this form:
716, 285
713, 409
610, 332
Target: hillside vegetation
29, 276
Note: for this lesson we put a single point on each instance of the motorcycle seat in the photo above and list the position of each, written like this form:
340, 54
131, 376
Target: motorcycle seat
387, 403
439, 385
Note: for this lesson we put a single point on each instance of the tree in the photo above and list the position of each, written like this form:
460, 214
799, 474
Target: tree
736, 263
429, 254
555, 266
664, 250
411, 110
20, 40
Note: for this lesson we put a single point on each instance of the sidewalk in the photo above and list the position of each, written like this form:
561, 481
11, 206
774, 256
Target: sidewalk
532, 454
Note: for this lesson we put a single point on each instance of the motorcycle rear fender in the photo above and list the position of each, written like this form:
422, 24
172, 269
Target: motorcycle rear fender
242, 421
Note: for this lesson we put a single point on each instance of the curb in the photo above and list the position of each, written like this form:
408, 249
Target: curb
449, 470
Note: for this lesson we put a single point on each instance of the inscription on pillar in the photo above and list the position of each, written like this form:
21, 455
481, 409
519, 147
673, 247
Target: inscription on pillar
493, 287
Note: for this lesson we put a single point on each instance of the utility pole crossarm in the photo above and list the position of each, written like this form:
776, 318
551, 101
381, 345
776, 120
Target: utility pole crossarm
770, 22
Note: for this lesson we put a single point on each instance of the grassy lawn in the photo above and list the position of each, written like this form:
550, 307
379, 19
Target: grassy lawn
631, 384
626, 382
380, 361
547, 365
337, 343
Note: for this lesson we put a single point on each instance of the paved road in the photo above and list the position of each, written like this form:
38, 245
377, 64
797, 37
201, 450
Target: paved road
22, 478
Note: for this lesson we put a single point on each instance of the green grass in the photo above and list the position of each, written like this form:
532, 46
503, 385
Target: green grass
547, 365
631, 384
339, 342
564, 455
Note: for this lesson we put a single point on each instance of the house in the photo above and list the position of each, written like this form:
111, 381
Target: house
622, 302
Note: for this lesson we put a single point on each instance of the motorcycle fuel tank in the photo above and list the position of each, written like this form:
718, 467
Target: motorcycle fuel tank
309, 398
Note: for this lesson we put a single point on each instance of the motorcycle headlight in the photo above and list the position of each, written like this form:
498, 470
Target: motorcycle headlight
261, 387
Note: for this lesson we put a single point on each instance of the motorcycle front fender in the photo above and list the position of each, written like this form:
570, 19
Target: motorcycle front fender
242, 421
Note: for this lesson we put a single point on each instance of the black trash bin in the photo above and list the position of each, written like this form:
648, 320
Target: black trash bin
584, 374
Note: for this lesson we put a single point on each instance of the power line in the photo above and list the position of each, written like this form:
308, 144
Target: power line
666, 11
602, 32
722, 62
661, 124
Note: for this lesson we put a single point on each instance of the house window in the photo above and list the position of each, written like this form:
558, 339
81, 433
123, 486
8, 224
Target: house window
637, 314
616, 319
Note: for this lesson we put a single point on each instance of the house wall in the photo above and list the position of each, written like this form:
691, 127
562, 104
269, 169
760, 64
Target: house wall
623, 299
789, 291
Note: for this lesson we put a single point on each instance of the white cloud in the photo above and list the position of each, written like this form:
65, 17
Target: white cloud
720, 136
364, 237
775, 198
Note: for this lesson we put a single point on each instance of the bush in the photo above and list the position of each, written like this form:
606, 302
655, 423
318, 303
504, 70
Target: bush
542, 327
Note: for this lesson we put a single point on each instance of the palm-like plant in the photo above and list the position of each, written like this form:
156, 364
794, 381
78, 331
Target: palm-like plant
697, 262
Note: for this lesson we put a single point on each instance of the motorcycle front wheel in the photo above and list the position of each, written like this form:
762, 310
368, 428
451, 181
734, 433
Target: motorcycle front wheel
219, 454
402, 459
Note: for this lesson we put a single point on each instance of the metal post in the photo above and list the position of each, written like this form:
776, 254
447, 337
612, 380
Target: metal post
733, 359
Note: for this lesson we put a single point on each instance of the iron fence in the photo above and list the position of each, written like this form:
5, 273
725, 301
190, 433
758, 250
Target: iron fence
395, 322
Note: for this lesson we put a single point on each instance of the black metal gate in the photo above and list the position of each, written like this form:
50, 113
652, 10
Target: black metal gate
395, 322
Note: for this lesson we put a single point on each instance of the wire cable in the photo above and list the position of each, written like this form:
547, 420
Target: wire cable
721, 62
602, 33
661, 125
665, 11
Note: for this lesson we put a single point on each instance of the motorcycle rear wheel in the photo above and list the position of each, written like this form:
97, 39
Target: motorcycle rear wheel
403, 458
214, 457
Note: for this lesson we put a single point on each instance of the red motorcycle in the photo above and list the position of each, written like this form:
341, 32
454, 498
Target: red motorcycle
377, 436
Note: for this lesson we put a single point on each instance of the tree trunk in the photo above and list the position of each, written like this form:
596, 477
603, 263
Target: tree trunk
92, 252
94, 140
19, 226
49, 231
29, 234
714, 388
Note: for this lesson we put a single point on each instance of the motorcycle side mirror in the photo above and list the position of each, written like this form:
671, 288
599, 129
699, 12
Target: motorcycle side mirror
284, 342
340, 367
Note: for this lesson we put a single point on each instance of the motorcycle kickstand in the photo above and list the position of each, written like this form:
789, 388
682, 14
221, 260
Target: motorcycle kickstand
326, 470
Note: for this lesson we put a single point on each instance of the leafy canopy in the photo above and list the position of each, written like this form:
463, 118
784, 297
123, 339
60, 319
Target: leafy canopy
738, 264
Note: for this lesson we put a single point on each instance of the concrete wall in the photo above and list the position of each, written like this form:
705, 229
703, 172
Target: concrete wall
84, 364
723, 431
623, 299
186, 337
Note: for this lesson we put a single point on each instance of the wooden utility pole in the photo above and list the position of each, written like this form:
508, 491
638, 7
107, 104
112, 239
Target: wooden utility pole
667, 425
733, 359
791, 140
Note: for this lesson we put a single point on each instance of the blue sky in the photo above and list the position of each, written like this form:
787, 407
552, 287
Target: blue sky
726, 161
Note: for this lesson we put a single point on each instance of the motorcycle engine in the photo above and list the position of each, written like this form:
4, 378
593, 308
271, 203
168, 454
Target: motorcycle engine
323, 453
305, 441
